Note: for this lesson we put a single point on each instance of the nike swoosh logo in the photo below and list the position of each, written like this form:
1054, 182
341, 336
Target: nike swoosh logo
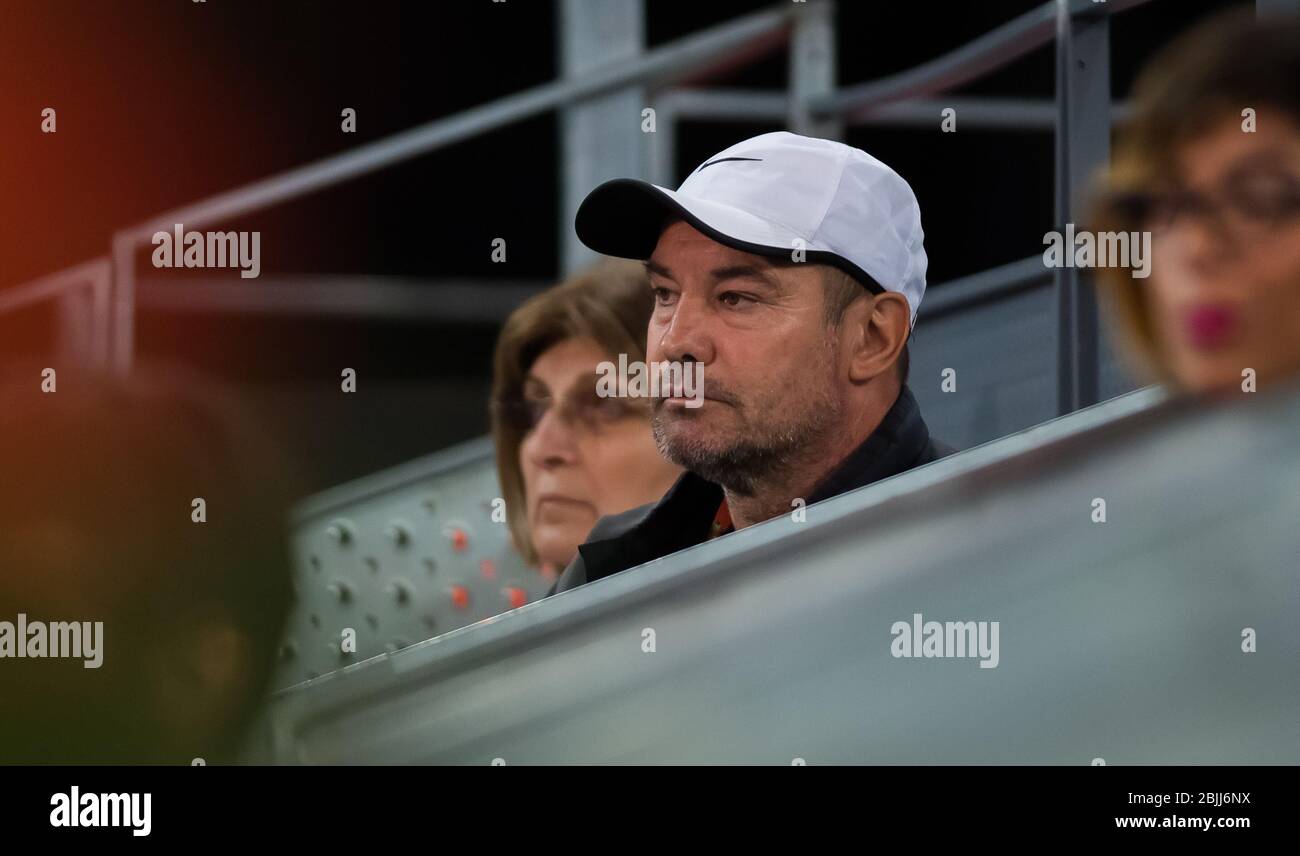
724, 160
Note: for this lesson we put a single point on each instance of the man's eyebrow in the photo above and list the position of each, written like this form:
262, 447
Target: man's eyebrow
653, 267
746, 271
761, 273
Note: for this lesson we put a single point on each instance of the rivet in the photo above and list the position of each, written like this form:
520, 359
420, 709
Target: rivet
340, 531
400, 591
399, 533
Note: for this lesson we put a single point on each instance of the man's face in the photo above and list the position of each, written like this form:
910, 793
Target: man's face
770, 362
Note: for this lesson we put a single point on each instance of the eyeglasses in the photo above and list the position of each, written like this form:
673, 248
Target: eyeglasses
1245, 205
580, 410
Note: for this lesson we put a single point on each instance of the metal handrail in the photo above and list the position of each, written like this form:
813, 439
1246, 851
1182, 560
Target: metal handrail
96, 275
1025, 114
49, 286
985, 54
978, 289
891, 99
661, 67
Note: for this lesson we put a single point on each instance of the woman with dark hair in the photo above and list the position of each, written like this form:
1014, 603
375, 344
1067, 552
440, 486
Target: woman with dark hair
1210, 167
565, 455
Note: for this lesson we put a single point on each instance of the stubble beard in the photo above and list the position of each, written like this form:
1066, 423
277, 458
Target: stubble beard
769, 443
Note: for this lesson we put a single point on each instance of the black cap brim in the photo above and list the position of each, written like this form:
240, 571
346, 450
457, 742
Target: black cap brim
624, 217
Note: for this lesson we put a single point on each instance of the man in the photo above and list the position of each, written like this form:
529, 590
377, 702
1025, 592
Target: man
792, 269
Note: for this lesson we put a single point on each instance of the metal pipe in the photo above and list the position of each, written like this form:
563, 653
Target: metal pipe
660, 67
993, 50
984, 287
663, 66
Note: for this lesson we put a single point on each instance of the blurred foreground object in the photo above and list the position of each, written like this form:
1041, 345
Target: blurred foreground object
1209, 168
144, 519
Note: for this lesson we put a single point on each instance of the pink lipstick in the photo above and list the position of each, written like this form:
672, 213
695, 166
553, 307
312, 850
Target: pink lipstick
1210, 325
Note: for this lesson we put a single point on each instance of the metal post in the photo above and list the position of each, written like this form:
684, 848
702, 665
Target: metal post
122, 311
661, 151
75, 341
812, 69
1082, 146
81, 297
600, 138
102, 325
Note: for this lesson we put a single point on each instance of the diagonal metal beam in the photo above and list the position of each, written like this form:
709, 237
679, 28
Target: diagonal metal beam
989, 52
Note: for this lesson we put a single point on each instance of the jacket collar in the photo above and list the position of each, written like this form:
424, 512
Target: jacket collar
679, 520
894, 447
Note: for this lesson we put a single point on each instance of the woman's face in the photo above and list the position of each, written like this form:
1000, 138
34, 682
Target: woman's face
584, 456
1225, 282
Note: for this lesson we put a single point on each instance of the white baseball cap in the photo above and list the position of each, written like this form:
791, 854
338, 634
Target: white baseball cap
771, 195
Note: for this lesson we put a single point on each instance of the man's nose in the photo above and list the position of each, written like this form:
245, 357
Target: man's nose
687, 337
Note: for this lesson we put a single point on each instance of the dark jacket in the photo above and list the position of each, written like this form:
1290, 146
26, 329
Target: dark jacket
683, 516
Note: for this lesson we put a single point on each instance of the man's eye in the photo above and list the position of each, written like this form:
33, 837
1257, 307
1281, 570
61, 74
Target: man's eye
735, 298
662, 295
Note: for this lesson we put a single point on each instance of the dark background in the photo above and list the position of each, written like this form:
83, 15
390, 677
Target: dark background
164, 102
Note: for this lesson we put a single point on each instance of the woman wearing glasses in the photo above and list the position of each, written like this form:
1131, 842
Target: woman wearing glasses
565, 455
1210, 166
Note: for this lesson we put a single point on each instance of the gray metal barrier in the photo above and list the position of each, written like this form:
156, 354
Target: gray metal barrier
1122, 640
997, 331
400, 556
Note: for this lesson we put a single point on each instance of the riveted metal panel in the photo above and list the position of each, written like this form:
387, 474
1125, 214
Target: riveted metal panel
400, 556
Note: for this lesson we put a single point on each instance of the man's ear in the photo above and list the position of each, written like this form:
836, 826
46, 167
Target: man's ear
879, 332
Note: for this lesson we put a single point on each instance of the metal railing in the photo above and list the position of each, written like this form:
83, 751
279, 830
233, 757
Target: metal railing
82, 293
1081, 116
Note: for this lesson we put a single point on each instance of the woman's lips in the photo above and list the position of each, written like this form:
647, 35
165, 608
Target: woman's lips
559, 499
1210, 325
552, 505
